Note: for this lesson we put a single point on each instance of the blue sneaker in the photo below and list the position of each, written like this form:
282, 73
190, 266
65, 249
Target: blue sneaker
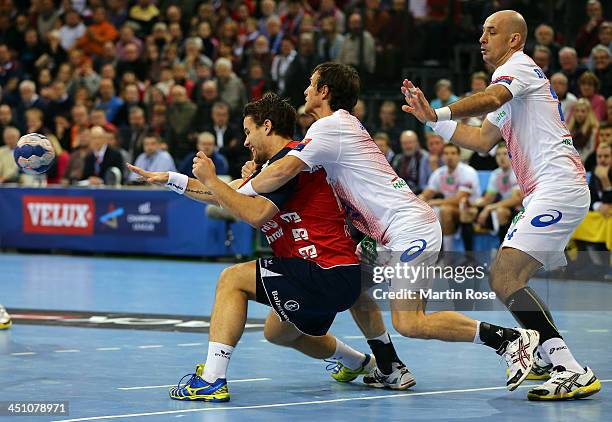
196, 389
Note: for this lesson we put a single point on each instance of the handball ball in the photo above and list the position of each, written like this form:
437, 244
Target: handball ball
34, 153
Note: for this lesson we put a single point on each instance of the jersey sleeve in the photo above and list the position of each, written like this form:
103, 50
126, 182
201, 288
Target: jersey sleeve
513, 76
320, 145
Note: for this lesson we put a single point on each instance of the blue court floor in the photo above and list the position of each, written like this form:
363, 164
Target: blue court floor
123, 374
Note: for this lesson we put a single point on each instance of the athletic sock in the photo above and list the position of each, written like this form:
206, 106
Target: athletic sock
529, 310
217, 361
384, 352
559, 354
494, 336
544, 355
448, 241
347, 356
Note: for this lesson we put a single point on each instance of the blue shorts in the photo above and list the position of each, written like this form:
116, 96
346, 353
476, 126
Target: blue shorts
305, 294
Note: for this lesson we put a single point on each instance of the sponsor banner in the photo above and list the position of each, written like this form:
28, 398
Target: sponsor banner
129, 217
46, 214
121, 320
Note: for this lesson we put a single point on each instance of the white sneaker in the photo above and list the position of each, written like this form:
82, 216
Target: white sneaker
5, 319
519, 356
400, 379
566, 385
540, 369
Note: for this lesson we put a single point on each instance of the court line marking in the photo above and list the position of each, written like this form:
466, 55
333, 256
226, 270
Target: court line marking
67, 351
290, 404
23, 353
105, 349
146, 387
150, 346
598, 331
189, 344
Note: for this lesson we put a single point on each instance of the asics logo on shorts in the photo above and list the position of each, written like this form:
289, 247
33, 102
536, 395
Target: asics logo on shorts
413, 251
544, 220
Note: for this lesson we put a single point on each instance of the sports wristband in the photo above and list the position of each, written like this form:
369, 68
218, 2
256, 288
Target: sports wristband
247, 189
445, 129
444, 114
177, 182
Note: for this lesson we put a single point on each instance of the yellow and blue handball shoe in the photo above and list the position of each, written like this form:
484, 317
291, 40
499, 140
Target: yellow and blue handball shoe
343, 373
196, 389
5, 319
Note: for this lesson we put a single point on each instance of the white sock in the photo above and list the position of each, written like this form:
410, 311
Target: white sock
544, 356
448, 240
557, 351
477, 339
347, 356
217, 361
384, 337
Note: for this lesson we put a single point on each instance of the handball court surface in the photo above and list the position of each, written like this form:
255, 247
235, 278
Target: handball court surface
124, 374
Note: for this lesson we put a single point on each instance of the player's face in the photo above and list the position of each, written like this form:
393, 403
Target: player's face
604, 157
450, 156
313, 96
255, 140
494, 42
501, 157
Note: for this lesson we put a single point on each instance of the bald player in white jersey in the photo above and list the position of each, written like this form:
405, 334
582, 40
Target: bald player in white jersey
524, 110
381, 205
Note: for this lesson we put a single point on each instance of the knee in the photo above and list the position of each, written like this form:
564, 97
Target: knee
224, 283
499, 281
276, 338
410, 324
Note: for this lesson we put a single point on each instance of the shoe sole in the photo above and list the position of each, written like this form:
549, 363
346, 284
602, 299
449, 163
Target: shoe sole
202, 398
515, 385
405, 386
532, 376
579, 393
6, 325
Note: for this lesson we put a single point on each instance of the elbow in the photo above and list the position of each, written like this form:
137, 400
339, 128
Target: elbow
495, 103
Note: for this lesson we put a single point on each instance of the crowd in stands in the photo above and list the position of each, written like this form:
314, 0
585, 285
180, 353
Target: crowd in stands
154, 81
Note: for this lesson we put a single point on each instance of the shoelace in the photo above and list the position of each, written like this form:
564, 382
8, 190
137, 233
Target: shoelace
333, 366
188, 382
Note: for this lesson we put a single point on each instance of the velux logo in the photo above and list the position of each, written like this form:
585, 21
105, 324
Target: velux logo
58, 214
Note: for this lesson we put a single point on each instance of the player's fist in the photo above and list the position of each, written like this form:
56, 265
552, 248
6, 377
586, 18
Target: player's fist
203, 168
248, 169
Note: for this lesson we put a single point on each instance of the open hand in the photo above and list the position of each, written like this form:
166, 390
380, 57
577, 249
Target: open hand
156, 177
416, 103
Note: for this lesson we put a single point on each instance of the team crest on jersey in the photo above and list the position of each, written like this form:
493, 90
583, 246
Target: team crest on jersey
302, 144
505, 79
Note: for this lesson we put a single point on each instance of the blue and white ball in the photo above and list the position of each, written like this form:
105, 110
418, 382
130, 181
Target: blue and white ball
34, 153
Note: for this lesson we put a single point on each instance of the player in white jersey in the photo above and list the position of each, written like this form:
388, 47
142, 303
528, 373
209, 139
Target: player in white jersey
382, 206
524, 110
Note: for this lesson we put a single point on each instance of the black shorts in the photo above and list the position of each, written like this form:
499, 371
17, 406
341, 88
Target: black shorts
305, 294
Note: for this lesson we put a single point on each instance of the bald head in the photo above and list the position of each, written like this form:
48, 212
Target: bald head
511, 22
504, 33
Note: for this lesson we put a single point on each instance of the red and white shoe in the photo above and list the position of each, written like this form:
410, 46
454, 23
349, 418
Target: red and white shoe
519, 356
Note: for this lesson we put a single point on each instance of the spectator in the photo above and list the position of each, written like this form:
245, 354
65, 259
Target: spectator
281, 62
108, 101
101, 159
6, 117
382, 142
131, 137
455, 182
28, 99
435, 147
226, 139
330, 42
359, 48
32, 50
602, 68
60, 103
600, 184
545, 36
567, 99
34, 122
609, 110
98, 118
117, 12
304, 121
605, 34
206, 144
589, 88
604, 136
542, 57
274, 33
411, 163
61, 130
257, 84
583, 127
144, 13
53, 54
47, 17
230, 87
9, 172
193, 57
131, 98
588, 33
292, 18
207, 98
76, 162
568, 60
55, 174
389, 124
181, 113
153, 158
444, 94
80, 123
300, 69
8, 67
127, 37
72, 30
131, 62
328, 9
99, 32
209, 42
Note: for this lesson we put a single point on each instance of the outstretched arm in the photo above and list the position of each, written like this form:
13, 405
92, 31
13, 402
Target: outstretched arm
277, 174
480, 139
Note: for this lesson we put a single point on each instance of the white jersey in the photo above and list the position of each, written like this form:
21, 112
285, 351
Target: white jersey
463, 179
378, 202
502, 183
539, 144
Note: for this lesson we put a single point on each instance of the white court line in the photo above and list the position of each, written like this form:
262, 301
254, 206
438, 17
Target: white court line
146, 387
105, 349
189, 344
301, 403
67, 351
598, 331
23, 353
150, 346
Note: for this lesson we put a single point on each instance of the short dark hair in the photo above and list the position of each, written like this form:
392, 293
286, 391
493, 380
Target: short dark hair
272, 107
449, 145
343, 84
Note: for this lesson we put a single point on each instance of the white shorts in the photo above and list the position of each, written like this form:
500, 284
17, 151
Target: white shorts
547, 223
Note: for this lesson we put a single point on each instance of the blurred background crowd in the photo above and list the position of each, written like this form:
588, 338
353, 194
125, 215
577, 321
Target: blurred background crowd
154, 81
